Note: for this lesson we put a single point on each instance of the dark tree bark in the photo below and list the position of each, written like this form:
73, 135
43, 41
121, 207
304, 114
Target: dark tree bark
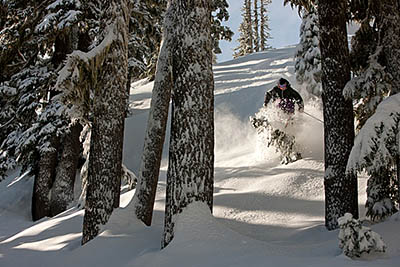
398, 177
250, 26
105, 162
44, 178
191, 156
264, 25
62, 193
340, 188
256, 30
155, 133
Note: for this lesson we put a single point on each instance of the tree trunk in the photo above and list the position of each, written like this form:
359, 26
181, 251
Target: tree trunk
62, 193
250, 28
191, 156
256, 35
340, 188
262, 25
155, 133
43, 182
105, 162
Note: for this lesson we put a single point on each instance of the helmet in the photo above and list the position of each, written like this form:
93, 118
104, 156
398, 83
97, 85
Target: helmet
283, 83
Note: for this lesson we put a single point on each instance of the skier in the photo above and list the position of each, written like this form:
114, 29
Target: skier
285, 96
278, 133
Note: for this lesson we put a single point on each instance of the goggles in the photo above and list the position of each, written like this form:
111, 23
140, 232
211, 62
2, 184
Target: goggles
282, 86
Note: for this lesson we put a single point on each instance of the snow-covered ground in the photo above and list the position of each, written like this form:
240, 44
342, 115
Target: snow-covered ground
265, 213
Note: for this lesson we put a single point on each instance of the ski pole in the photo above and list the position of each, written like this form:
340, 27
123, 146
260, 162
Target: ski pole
315, 118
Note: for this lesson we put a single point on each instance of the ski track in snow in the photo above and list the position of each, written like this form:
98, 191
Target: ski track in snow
265, 213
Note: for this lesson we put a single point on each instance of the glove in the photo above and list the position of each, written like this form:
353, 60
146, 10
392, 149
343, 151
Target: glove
301, 109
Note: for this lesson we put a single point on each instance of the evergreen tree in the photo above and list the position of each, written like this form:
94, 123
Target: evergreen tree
155, 132
62, 191
24, 78
151, 15
98, 90
218, 31
389, 39
308, 56
60, 29
373, 82
256, 28
191, 155
35, 126
38, 134
145, 37
356, 240
246, 33
156, 127
264, 25
105, 165
376, 150
340, 188
250, 26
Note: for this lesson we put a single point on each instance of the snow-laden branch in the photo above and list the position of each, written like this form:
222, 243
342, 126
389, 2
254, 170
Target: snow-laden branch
79, 75
378, 141
371, 83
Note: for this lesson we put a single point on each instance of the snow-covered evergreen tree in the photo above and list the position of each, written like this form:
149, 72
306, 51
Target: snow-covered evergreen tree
308, 56
155, 132
95, 82
300, 4
254, 28
36, 139
373, 55
265, 30
381, 195
369, 87
356, 240
218, 31
191, 156
376, 150
25, 76
109, 111
146, 27
246, 33
145, 31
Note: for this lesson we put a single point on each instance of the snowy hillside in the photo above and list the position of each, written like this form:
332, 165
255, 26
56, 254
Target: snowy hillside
265, 213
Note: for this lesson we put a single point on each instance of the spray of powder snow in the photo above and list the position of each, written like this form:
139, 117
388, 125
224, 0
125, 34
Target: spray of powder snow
310, 131
305, 127
236, 139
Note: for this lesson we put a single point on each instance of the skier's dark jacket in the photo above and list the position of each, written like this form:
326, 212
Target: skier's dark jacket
286, 98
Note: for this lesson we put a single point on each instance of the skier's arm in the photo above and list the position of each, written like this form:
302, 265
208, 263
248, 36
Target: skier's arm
267, 98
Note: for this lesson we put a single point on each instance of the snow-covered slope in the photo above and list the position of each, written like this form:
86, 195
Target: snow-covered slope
265, 213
